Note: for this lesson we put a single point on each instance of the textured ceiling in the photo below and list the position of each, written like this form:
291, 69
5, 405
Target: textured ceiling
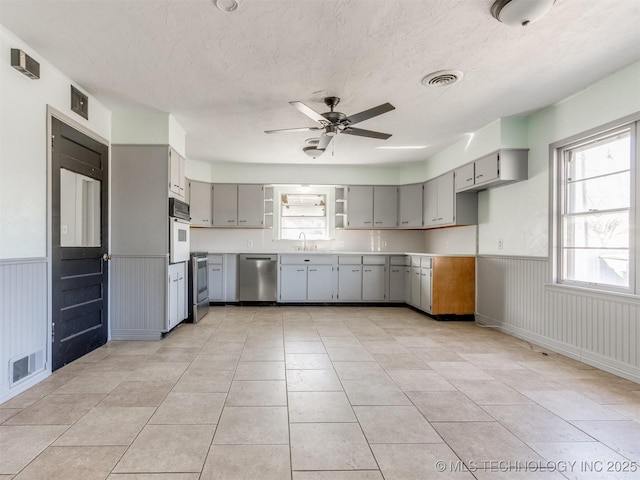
227, 77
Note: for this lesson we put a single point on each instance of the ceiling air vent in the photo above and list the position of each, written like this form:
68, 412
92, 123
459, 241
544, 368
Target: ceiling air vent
442, 78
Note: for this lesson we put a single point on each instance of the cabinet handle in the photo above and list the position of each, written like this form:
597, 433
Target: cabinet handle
242, 221
434, 219
404, 222
356, 270
367, 223
231, 221
300, 270
377, 223
313, 270
440, 219
478, 176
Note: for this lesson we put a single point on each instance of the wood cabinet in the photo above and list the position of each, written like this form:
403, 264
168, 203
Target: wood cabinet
444, 207
177, 181
200, 203
410, 206
453, 288
498, 168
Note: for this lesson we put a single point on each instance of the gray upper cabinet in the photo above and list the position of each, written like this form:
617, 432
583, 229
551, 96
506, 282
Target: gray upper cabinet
498, 168
250, 206
372, 207
444, 207
385, 207
410, 211
200, 203
225, 205
177, 181
360, 207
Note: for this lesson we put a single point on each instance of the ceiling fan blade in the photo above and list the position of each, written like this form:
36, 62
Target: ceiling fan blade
367, 114
308, 111
286, 130
366, 133
324, 141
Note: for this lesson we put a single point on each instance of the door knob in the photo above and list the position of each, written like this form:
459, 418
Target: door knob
106, 257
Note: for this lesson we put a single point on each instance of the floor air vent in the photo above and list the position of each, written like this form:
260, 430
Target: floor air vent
21, 368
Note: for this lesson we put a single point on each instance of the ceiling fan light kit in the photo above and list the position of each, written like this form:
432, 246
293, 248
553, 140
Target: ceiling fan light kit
520, 12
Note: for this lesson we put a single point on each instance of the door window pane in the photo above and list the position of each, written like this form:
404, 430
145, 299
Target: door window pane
80, 210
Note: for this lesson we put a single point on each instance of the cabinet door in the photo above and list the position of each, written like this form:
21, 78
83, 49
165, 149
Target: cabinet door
465, 176
200, 204
446, 199
414, 297
250, 205
350, 283
225, 205
172, 303
486, 168
397, 291
182, 295
182, 181
410, 206
425, 289
293, 283
174, 171
407, 284
360, 207
430, 207
385, 207
215, 278
373, 283
320, 283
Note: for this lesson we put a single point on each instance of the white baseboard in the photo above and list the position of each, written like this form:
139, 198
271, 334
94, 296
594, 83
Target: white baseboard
595, 360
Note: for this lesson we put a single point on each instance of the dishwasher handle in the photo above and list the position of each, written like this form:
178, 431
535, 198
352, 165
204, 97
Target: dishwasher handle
270, 258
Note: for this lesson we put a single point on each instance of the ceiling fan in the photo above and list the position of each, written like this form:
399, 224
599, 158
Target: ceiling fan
332, 123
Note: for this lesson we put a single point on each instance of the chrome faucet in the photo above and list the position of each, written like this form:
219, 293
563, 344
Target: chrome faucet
304, 240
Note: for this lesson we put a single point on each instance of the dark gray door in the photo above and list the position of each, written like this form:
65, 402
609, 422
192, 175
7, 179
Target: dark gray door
79, 243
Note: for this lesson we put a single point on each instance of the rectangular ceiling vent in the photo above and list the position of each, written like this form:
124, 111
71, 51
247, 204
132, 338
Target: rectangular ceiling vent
79, 103
21, 368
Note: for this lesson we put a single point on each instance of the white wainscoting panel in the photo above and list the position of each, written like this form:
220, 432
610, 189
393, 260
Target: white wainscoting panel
597, 328
23, 317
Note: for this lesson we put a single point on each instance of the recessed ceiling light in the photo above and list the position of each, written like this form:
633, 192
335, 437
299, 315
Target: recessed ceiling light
404, 147
226, 5
442, 78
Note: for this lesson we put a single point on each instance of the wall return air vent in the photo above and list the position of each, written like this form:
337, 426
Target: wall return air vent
23, 367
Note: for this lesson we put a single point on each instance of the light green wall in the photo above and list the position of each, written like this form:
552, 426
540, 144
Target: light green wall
518, 214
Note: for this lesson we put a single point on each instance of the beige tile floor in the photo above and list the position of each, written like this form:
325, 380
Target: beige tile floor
323, 393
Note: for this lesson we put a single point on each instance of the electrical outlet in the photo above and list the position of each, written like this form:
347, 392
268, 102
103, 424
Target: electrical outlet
500, 244
249, 243
384, 244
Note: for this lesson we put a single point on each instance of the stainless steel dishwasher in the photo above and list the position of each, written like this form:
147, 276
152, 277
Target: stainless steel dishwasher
258, 276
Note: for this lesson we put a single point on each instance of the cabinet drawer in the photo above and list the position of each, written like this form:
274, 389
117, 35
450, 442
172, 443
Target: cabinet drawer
415, 261
374, 259
425, 262
398, 260
214, 259
306, 259
349, 259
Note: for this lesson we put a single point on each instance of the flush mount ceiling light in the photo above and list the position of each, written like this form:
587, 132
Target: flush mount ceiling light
311, 149
442, 78
520, 12
226, 5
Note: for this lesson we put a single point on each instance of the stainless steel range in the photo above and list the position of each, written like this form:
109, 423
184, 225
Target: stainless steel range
198, 286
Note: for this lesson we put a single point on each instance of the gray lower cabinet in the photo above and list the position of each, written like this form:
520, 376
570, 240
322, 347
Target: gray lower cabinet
177, 296
373, 283
425, 289
350, 283
293, 283
320, 283
216, 278
414, 296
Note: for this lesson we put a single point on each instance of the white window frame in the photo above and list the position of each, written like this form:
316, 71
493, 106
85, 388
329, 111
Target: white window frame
558, 185
328, 190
